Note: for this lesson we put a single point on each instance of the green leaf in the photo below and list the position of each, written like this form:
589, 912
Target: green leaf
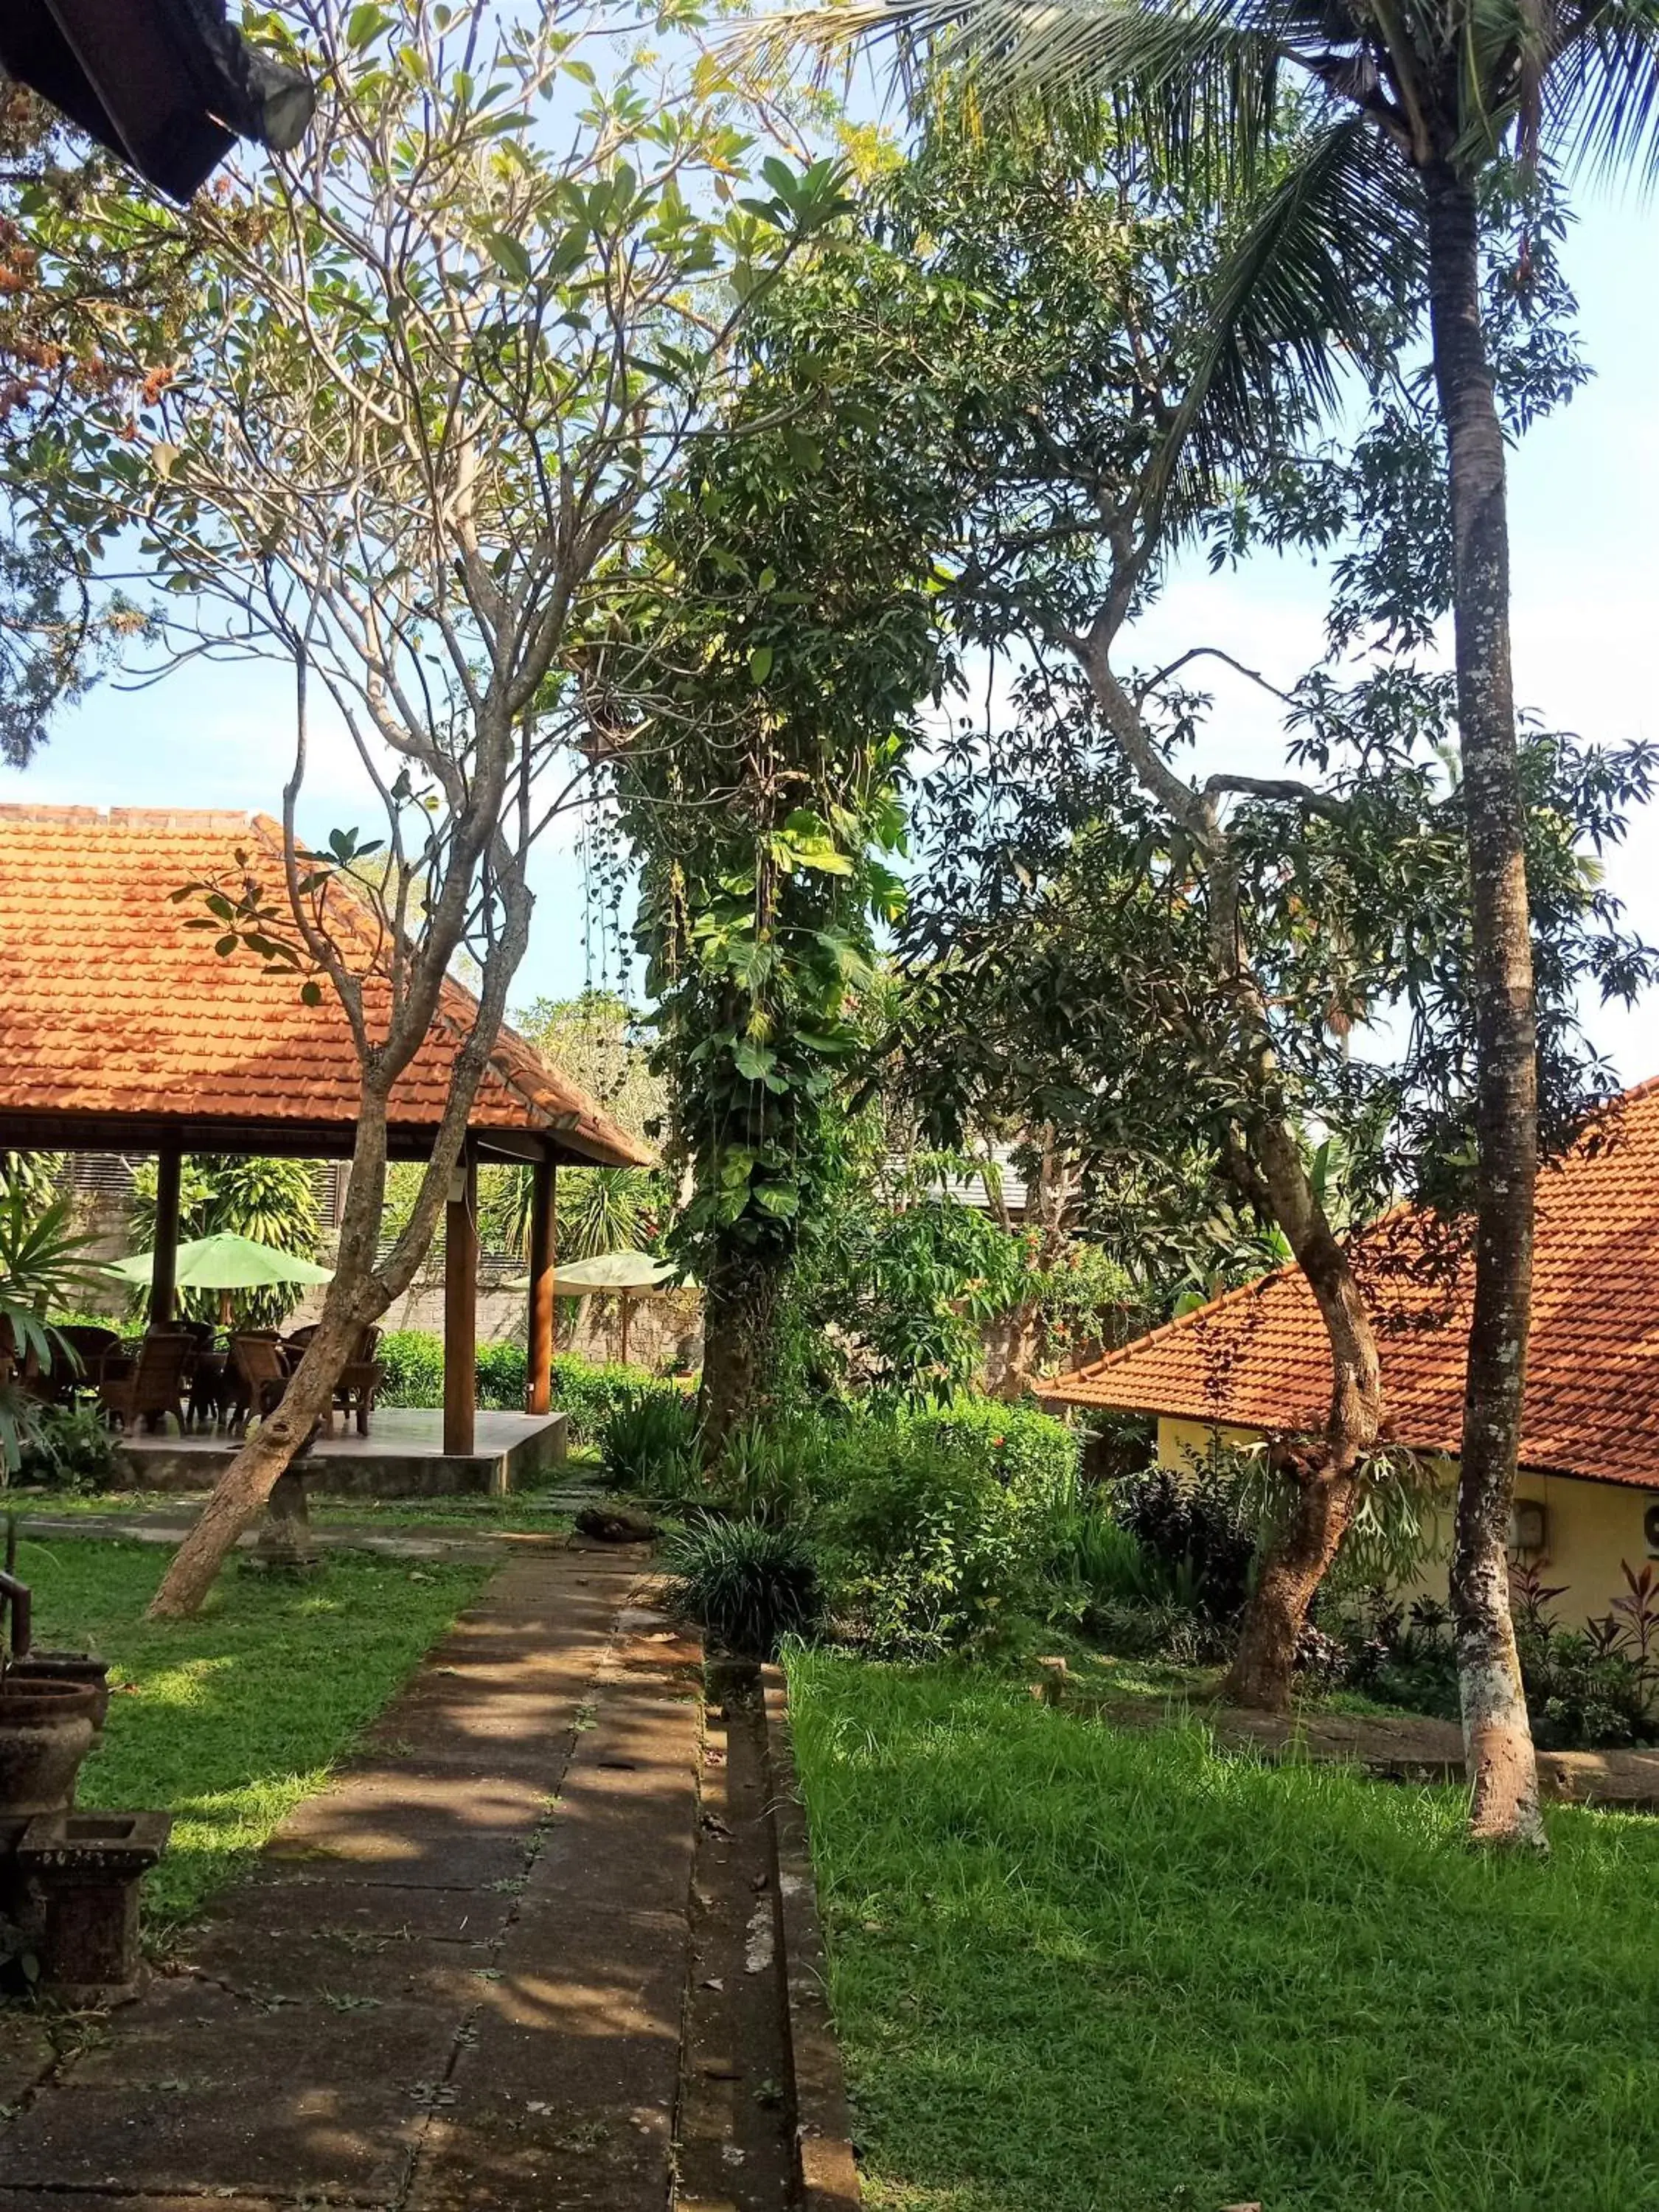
508, 255
365, 24
760, 663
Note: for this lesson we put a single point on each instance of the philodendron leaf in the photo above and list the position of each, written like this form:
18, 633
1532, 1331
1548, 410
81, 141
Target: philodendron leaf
755, 1061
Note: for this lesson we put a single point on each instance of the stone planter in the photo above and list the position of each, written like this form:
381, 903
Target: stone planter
46, 1731
78, 1667
285, 1539
86, 1868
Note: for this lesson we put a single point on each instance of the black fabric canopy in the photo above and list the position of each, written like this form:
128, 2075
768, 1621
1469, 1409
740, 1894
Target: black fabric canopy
167, 85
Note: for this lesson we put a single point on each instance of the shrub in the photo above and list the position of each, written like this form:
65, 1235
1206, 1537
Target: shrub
649, 1444
66, 1448
589, 1393
413, 1368
1029, 1450
749, 1584
926, 1548
414, 1362
1191, 1529
503, 1371
1587, 1689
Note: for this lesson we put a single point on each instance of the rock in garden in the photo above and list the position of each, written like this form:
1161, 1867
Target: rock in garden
616, 1524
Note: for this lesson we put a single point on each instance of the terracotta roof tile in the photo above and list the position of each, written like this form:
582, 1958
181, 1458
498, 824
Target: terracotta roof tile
1259, 1359
110, 1005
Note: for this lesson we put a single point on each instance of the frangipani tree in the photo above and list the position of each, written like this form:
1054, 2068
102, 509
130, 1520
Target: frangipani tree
1375, 111
439, 367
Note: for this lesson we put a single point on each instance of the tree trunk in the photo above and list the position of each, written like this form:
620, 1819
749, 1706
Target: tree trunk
241, 1491
1264, 1664
1497, 1735
743, 1299
355, 1297
1329, 1475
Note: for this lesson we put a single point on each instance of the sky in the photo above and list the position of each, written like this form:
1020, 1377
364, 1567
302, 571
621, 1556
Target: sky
1584, 486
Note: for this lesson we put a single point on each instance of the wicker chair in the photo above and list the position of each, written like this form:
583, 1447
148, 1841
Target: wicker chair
258, 1376
153, 1386
94, 1348
360, 1378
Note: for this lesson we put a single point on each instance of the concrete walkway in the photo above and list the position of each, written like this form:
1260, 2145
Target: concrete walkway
458, 1978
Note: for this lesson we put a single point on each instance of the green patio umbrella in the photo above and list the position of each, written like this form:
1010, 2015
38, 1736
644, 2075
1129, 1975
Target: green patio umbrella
224, 1263
627, 1274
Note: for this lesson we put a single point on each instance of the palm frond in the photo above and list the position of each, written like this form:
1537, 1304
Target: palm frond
1198, 79
1601, 98
1309, 260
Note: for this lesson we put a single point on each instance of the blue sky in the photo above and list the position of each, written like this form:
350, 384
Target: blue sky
1584, 488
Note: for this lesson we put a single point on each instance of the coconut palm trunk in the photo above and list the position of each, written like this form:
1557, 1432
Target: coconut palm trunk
1497, 1735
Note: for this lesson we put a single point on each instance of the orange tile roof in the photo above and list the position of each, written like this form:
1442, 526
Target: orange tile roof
109, 1005
1258, 1357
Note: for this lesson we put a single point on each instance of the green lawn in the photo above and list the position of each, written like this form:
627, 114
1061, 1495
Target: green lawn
1081, 1971
228, 1720
521, 1513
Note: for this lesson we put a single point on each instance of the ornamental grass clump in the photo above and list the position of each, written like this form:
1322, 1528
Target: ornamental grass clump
747, 1584
649, 1446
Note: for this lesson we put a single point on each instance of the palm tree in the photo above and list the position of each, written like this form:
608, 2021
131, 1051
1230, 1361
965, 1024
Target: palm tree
1413, 103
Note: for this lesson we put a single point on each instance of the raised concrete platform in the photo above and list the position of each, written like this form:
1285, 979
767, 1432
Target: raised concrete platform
402, 1456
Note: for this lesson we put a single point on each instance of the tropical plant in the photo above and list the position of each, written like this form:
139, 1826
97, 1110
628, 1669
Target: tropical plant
588, 1392
783, 640
69, 1448
747, 1582
270, 1201
45, 1261
1195, 1535
648, 1444
1378, 129
923, 1546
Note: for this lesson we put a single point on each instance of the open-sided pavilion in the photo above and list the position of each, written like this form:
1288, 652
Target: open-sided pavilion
123, 1030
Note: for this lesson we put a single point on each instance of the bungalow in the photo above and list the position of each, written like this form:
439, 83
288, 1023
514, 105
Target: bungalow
1255, 1362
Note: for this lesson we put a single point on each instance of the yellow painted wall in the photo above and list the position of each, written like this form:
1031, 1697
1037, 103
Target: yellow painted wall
1590, 1528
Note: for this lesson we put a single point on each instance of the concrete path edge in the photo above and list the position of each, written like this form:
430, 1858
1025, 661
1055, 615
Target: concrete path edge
827, 2175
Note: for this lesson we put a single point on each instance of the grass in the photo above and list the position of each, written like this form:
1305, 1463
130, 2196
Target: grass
229, 1720
521, 1514
1086, 1971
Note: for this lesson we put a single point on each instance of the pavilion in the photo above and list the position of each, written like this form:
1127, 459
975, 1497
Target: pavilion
123, 1030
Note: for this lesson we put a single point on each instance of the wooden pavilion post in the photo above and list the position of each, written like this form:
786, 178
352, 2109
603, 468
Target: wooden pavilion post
164, 1260
543, 1252
461, 1309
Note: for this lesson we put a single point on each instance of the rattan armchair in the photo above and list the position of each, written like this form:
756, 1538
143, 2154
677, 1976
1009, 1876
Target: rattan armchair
153, 1386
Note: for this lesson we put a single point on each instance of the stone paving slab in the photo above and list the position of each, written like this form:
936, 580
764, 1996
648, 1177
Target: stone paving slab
456, 1978
565, 2093
81, 2200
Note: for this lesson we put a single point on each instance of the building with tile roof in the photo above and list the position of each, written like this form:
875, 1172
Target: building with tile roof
123, 1030
1255, 1362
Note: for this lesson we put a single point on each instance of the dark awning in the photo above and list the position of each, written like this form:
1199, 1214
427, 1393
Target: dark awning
167, 85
